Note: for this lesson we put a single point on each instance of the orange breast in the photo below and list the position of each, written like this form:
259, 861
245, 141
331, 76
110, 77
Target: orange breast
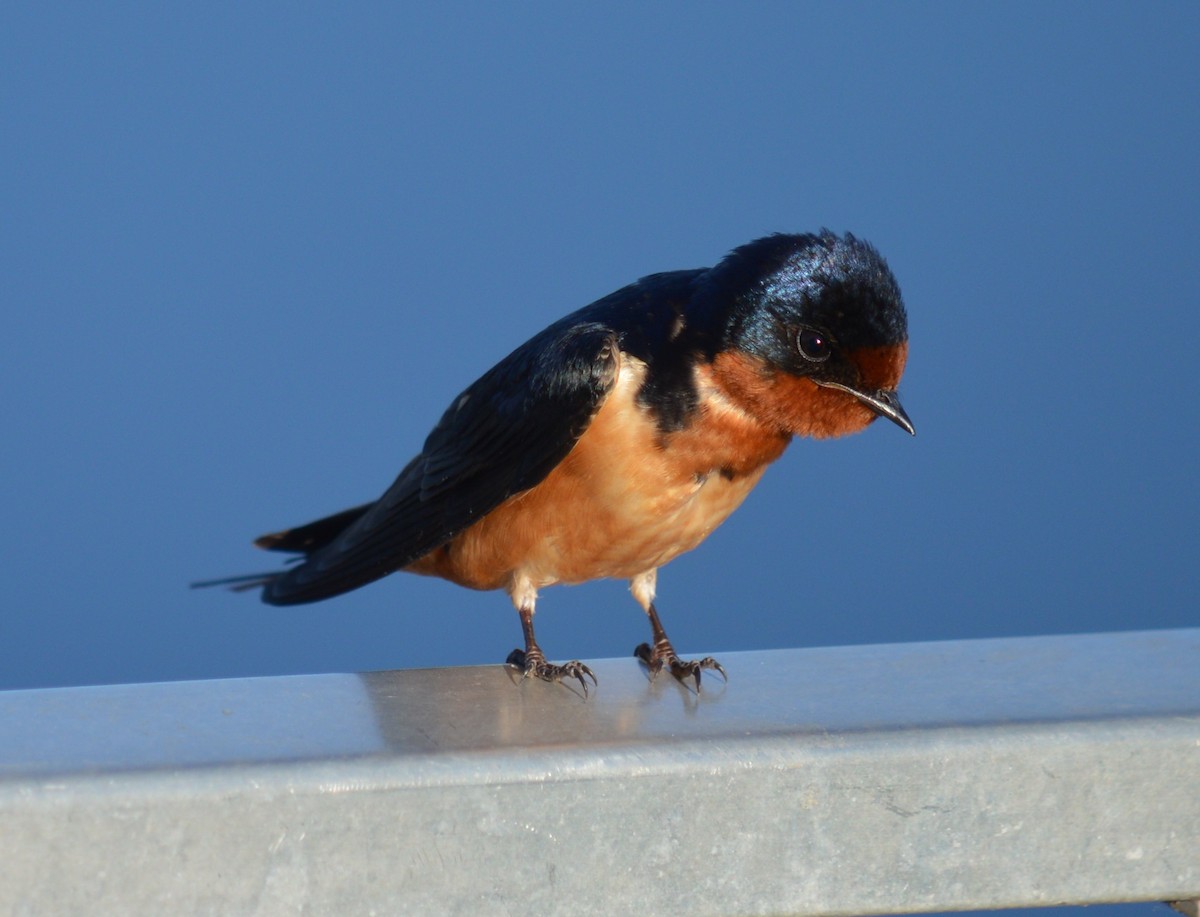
626, 500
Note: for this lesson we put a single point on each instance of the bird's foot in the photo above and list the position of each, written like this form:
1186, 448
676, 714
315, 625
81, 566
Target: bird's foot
533, 663
663, 655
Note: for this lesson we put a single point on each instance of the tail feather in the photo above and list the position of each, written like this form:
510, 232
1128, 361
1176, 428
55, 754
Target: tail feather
305, 539
240, 583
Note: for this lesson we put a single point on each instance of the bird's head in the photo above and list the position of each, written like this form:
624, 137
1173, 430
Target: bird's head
812, 335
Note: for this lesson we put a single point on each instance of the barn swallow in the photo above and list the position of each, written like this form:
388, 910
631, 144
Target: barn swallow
620, 436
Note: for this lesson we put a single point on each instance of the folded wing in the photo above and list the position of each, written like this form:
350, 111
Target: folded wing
500, 437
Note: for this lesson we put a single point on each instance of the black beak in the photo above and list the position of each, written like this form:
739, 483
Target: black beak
883, 402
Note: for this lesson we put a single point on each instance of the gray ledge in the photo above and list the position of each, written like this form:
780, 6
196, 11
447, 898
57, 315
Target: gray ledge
871, 779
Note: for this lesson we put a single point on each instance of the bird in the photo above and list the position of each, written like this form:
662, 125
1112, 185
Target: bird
622, 435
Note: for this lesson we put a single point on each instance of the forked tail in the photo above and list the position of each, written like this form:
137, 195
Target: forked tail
302, 540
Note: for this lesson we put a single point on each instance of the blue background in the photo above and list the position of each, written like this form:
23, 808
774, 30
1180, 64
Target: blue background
250, 253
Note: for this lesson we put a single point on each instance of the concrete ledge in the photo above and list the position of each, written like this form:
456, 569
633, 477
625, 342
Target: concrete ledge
876, 779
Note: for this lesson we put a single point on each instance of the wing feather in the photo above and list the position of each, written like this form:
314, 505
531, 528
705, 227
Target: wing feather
500, 437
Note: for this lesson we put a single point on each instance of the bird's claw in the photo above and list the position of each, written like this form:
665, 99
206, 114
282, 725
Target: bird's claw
683, 669
534, 664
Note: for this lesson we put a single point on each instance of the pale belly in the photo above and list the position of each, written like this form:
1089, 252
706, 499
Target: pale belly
622, 503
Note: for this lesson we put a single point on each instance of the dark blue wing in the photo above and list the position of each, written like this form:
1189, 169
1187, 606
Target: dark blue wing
501, 436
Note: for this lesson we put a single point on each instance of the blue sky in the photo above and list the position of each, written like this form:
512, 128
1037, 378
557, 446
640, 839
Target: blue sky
251, 251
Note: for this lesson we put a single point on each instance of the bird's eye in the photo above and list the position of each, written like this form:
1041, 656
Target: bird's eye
813, 345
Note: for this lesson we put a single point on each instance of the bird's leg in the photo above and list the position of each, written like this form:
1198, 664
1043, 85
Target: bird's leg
531, 660
663, 653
